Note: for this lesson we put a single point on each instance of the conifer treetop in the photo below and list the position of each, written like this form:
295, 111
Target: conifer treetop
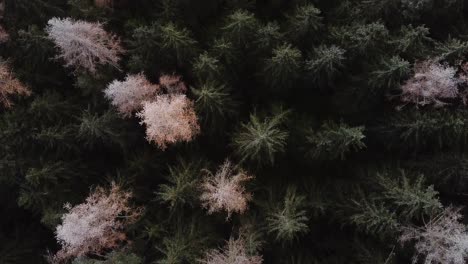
234, 252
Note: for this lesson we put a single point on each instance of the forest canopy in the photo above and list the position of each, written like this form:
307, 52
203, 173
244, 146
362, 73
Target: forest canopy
233, 131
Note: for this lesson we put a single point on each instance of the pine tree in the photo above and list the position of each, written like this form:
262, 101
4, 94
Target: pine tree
184, 245
175, 43
289, 220
325, 63
239, 27
417, 129
452, 50
225, 51
214, 104
373, 217
144, 46
233, 253
207, 67
182, 186
411, 198
283, 69
390, 74
95, 129
260, 140
414, 40
362, 38
305, 20
268, 36
333, 141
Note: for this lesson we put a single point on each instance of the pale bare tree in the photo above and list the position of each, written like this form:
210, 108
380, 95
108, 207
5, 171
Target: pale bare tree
96, 224
128, 95
84, 45
444, 239
169, 119
225, 190
431, 84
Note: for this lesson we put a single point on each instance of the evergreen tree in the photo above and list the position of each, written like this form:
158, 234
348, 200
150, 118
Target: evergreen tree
283, 69
289, 220
326, 63
334, 140
261, 140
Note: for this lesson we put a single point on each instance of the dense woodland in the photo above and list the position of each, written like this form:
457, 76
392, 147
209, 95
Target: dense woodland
233, 131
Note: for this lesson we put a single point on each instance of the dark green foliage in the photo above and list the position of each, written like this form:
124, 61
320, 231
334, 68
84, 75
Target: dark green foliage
261, 139
305, 21
240, 26
435, 128
396, 198
333, 141
283, 69
373, 217
413, 40
372, 254
184, 246
288, 220
268, 36
37, 11
34, 46
325, 63
410, 197
225, 51
170, 42
453, 50
448, 171
50, 174
176, 43
112, 258
390, 74
95, 129
362, 38
51, 107
85, 9
183, 184
214, 103
143, 47
207, 67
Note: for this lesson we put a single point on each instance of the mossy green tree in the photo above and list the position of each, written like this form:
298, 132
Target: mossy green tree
334, 141
288, 219
283, 69
261, 140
